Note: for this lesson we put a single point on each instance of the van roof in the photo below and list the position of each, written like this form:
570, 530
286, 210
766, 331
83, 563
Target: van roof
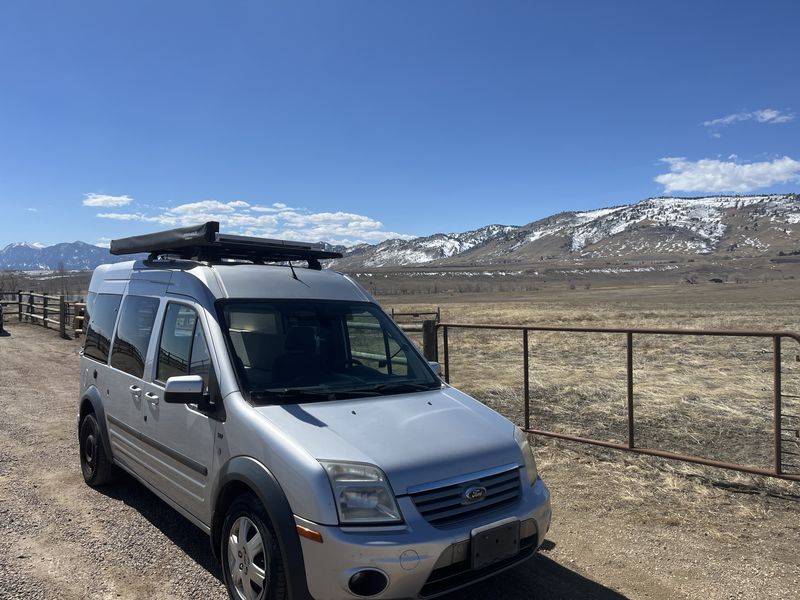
222, 280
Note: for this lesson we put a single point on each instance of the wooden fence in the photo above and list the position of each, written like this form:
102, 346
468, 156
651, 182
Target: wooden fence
50, 312
436, 315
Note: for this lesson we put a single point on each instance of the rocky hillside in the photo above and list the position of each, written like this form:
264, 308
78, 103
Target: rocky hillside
736, 226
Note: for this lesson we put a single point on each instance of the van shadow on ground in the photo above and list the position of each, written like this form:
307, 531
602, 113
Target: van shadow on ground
166, 519
540, 578
537, 579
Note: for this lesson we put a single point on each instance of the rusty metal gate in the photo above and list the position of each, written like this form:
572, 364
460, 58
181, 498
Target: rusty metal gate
777, 396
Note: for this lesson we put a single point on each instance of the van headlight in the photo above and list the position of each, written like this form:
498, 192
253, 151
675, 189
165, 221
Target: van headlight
527, 454
362, 493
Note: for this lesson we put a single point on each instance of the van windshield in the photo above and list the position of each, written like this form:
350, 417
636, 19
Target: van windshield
291, 351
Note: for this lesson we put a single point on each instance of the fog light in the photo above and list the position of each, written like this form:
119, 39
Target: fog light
367, 582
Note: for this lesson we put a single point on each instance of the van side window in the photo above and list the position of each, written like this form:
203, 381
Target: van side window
101, 326
182, 350
200, 362
133, 334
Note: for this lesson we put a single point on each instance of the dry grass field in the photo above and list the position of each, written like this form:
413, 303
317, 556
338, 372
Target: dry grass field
710, 396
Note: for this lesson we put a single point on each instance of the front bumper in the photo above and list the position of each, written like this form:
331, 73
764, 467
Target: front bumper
418, 559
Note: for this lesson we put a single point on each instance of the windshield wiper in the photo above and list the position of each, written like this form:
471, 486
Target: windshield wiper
297, 395
402, 388
291, 394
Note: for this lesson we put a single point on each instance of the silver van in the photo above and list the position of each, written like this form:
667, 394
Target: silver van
281, 411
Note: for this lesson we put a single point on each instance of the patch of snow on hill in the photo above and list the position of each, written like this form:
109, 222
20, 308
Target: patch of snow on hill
700, 216
435, 247
591, 215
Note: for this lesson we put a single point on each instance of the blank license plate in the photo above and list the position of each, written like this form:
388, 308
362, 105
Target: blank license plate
495, 545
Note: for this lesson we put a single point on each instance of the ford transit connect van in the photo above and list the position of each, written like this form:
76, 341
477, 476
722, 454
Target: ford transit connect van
281, 411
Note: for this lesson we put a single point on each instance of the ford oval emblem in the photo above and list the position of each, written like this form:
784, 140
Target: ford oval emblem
475, 493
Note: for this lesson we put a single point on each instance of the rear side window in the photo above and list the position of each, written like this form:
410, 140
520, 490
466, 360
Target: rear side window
183, 349
133, 334
101, 326
89, 308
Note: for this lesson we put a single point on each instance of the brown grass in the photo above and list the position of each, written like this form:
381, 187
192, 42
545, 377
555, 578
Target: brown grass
710, 397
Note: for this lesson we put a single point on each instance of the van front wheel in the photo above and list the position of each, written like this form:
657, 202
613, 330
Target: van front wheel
251, 559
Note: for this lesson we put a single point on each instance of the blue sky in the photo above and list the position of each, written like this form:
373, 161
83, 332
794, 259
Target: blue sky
360, 120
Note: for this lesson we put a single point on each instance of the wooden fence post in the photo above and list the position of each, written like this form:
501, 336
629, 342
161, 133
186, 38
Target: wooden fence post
62, 318
44, 312
19, 305
430, 342
31, 307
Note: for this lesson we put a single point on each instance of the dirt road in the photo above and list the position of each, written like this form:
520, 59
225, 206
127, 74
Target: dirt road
623, 527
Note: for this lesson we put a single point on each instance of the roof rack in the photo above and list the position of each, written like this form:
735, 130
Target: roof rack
205, 243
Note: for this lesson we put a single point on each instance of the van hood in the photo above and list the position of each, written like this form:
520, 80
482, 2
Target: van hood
414, 438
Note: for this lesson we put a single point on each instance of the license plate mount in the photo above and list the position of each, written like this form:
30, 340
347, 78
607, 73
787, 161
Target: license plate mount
494, 545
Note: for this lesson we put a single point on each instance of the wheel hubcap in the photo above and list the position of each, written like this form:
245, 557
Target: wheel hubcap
247, 560
88, 449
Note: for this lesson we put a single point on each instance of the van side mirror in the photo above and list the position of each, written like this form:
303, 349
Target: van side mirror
185, 389
437, 368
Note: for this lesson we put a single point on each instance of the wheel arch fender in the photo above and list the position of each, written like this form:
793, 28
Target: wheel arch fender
243, 474
92, 402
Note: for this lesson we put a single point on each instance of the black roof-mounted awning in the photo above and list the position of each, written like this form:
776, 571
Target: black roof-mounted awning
205, 243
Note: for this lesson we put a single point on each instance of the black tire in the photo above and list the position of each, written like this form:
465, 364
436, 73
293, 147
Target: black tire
248, 507
96, 466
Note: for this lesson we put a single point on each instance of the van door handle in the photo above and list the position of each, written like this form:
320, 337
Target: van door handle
135, 389
151, 397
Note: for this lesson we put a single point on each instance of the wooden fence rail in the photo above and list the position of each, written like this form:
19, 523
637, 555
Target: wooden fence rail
39, 309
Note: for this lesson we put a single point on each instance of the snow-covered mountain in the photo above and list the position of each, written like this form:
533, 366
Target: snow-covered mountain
422, 250
27, 256
713, 225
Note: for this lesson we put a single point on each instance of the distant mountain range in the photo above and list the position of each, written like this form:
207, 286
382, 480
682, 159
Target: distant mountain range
656, 228
713, 226
26, 256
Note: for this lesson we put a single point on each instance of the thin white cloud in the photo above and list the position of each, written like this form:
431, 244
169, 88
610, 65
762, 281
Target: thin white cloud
765, 115
206, 206
712, 175
277, 221
106, 200
32, 209
274, 207
770, 115
129, 217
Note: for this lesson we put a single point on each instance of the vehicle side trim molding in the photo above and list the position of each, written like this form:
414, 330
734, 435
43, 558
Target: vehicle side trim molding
178, 508
184, 460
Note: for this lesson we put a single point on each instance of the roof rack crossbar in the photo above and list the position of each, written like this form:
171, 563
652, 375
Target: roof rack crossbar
205, 243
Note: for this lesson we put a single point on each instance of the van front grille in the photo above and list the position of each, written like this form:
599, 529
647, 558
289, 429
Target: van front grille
447, 505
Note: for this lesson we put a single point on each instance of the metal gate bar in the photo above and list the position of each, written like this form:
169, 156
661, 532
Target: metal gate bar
630, 446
